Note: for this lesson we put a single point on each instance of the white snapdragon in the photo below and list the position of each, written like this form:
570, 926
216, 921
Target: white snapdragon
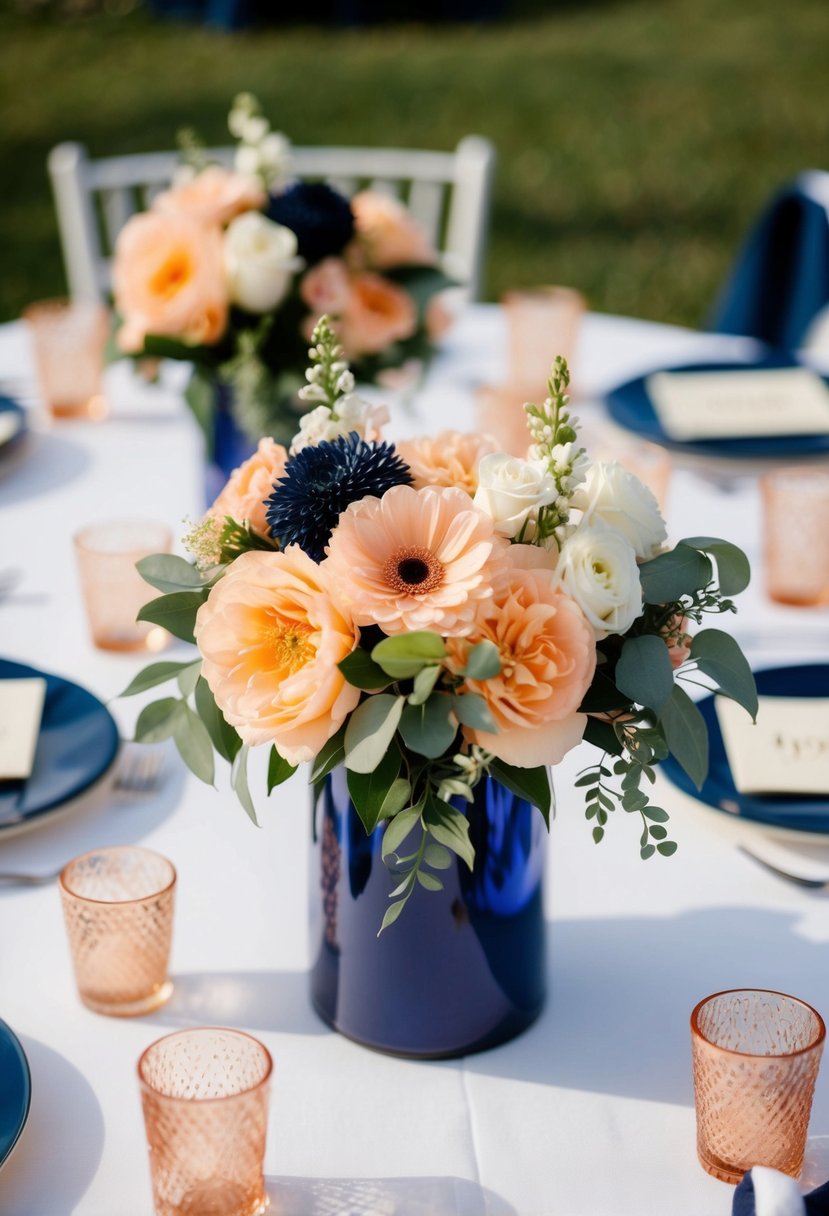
260, 261
597, 568
246, 160
352, 414
620, 500
511, 490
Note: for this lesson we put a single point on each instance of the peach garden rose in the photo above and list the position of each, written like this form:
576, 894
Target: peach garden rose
450, 458
243, 498
213, 196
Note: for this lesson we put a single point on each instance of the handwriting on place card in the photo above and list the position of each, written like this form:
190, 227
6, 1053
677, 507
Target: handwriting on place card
787, 752
740, 404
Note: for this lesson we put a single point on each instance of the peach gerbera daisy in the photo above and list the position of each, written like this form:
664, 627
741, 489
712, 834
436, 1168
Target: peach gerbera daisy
415, 559
271, 634
449, 459
548, 657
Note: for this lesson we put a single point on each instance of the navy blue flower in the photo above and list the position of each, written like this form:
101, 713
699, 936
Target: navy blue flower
320, 217
320, 482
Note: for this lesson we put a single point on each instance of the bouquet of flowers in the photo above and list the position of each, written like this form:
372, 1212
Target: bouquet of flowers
231, 270
432, 612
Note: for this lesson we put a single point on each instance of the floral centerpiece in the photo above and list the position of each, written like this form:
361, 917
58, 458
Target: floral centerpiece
230, 269
435, 619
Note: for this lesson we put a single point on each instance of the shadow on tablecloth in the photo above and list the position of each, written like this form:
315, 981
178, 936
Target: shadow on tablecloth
383, 1197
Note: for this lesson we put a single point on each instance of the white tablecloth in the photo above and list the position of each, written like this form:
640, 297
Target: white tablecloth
590, 1112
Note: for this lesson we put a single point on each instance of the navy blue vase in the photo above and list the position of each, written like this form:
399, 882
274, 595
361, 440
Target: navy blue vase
462, 969
231, 446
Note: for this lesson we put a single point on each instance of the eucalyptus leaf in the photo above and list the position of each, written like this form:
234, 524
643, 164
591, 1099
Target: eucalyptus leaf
733, 567
686, 735
424, 682
169, 573
157, 721
176, 612
156, 673
428, 729
719, 657
472, 710
483, 662
329, 756
223, 737
392, 913
239, 781
188, 678
279, 770
531, 784
669, 576
398, 829
405, 654
193, 744
449, 827
370, 731
362, 672
374, 794
644, 672
429, 881
437, 856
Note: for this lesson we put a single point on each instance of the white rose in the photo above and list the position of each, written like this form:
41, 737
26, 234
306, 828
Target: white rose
511, 489
597, 568
620, 500
260, 259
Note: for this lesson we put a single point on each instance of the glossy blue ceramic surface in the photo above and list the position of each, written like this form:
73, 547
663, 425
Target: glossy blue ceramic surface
800, 814
462, 969
231, 446
630, 406
8, 406
78, 742
15, 1091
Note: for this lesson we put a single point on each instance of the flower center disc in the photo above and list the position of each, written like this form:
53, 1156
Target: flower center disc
413, 571
291, 641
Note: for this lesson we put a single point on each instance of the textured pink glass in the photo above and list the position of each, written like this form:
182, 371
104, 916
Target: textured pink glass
205, 1098
542, 322
500, 412
756, 1056
796, 535
113, 590
118, 908
69, 338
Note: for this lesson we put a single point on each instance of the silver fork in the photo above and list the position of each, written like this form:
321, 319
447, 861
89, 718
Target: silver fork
812, 884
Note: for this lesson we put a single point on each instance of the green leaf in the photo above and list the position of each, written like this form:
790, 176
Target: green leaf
362, 672
656, 814
223, 737
193, 744
437, 856
483, 662
188, 678
671, 575
329, 756
424, 682
200, 393
370, 731
603, 696
657, 831
429, 881
531, 784
644, 672
176, 612
598, 834
169, 573
473, 711
733, 567
157, 721
392, 913
590, 778
646, 851
602, 735
428, 729
667, 848
405, 654
156, 673
239, 781
379, 794
279, 770
449, 827
686, 735
719, 657
398, 829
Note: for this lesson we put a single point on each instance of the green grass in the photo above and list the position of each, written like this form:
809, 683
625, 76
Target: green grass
636, 139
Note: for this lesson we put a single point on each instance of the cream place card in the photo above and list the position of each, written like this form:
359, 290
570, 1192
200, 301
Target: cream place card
21, 708
740, 404
787, 752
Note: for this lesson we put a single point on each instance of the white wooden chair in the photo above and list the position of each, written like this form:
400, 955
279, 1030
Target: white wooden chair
448, 192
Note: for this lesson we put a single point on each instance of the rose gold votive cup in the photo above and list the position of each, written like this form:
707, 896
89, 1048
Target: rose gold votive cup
499, 410
755, 1056
113, 590
118, 907
69, 338
205, 1098
542, 322
796, 535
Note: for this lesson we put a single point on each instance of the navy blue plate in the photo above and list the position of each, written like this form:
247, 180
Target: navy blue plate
630, 406
15, 1090
78, 742
800, 814
7, 406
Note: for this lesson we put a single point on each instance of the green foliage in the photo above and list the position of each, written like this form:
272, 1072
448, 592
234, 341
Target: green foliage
449, 827
157, 673
686, 734
362, 672
239, 781
406, 654
644, 671
429, 728
279, 770
381, 793
370, 730
175, 612
157, 721
329, 756
472, 710
193, 743
169, 573
483, 662
666, 578
223, 737
719, 657
531, 784
733, 569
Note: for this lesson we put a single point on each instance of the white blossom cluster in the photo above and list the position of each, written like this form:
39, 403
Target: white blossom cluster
261, 152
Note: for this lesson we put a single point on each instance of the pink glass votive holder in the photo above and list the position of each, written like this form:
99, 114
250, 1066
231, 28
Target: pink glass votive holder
499, 410
113, 590
69, 339
118, 907
795, 504
204, 1094
542, 322
756, 1056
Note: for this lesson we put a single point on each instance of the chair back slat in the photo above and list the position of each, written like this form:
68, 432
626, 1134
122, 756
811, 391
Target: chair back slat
426, 202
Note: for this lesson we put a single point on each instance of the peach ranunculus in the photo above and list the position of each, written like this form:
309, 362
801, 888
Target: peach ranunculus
415, 559
548, 657
377, 313
243, 498
388, 233
213, 196
326, 288
271, 634
451, 458
168, 279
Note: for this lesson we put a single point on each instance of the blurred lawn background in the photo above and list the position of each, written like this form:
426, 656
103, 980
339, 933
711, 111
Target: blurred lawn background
636, 138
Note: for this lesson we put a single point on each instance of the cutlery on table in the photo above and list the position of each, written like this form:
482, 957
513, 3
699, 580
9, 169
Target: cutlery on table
812, 884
